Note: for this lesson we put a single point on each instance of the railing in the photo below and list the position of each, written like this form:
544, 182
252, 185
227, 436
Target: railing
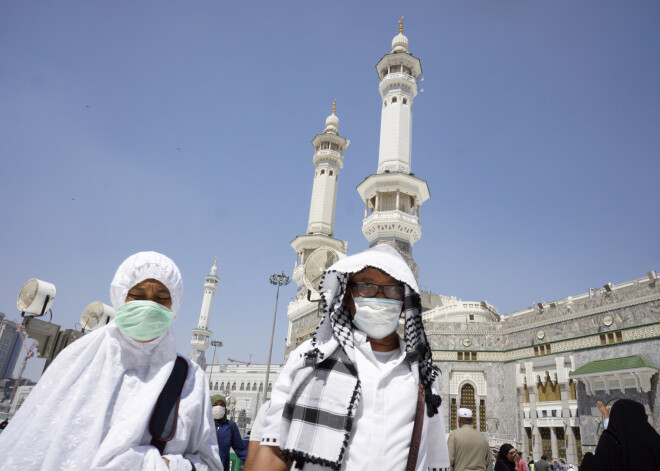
398, 75
390, 215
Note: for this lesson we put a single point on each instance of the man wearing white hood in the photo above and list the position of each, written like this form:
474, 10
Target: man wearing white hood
357, 396
92, 408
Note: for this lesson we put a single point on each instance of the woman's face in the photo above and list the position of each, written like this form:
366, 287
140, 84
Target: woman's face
511, 456
150, 290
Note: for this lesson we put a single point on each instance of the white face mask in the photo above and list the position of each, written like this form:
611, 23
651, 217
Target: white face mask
377, 317
218, 412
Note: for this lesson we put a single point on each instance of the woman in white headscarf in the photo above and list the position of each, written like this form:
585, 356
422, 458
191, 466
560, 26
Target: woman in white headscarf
92, 407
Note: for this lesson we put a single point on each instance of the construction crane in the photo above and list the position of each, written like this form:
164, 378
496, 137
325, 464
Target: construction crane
247, 363
29, 353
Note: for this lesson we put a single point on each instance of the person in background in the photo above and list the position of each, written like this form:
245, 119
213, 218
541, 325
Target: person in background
530, 464
227, 432
542, 464
3, 424
522, 465
587, 462
629, 442
92, 407
508, 458
468, 448
256, 435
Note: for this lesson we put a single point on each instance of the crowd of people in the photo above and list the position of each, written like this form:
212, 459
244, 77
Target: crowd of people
356, 396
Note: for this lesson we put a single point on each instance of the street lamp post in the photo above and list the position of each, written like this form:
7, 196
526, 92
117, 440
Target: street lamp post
279, 280
215, 344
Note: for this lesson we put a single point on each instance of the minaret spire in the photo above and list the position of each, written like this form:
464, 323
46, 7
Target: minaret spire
329, 148
393, 196
201, 336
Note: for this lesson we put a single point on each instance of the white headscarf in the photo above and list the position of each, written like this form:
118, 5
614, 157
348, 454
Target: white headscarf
91, 408
144, 266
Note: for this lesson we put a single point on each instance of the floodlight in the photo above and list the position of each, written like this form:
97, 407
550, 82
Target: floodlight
540, 305
36, 297
316, 264
608, 287
652, 275
96, 315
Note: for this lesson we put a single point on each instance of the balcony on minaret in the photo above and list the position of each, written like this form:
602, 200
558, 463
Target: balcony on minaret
392, 206
329, 148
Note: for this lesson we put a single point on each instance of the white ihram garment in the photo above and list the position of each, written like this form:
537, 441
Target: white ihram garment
382, 430
91, 410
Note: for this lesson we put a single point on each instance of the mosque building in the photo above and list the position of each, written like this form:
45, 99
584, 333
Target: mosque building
531, 377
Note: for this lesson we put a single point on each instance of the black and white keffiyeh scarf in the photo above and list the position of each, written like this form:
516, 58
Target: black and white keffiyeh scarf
318, 416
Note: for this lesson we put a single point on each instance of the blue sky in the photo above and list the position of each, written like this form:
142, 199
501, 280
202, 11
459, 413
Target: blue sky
538, 132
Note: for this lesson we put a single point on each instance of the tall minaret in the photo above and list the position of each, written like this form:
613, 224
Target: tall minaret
201, 336
393, 196
328, 158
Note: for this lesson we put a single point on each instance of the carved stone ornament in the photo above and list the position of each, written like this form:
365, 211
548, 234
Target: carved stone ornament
467, 342
540, 334
608, 320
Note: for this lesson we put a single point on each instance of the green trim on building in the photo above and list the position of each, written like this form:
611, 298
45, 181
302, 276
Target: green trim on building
614, 364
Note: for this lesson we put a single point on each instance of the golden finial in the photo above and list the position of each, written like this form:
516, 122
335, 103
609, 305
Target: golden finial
401, 25
334, 106
215, 263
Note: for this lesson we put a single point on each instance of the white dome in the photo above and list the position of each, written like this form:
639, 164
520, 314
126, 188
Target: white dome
400, 43
332, 124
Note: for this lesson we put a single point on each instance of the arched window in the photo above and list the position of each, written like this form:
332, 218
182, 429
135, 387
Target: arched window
330, 173
548, 391
393, 99
233, 386
261, 387
322, 172
216, 386
247, 388
526, 394
242, 386
210, 384
222, 386
270, 387
467, 401
254, 387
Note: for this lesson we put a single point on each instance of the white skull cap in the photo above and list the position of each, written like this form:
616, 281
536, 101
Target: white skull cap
465, 413
143, 266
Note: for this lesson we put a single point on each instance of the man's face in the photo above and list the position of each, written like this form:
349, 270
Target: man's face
368, 275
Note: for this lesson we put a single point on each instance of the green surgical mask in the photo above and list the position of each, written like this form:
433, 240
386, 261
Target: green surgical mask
143, 320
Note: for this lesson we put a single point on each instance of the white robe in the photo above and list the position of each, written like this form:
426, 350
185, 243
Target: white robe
91, 410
